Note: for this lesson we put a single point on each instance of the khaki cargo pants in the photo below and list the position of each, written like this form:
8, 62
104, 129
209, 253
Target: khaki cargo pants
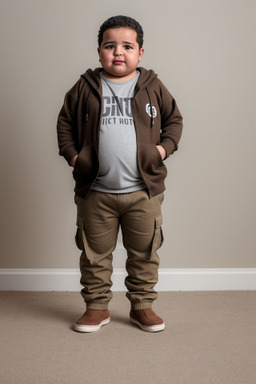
99, 216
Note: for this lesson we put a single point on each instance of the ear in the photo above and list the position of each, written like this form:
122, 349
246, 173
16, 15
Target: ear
141, 52
99, 53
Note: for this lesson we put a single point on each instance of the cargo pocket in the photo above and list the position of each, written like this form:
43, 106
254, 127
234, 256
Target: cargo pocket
81, 241
79, 238
158, 237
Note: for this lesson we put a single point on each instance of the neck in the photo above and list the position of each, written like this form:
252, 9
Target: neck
119, 78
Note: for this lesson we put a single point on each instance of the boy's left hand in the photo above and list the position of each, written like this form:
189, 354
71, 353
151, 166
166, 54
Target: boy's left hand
162, 151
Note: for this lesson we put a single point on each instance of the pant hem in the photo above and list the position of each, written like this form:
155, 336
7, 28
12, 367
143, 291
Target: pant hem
97, 306
141, 305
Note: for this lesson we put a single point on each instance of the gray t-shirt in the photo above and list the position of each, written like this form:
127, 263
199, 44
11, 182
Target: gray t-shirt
117, 144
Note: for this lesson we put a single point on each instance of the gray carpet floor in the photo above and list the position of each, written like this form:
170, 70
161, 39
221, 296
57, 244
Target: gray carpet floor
210, 337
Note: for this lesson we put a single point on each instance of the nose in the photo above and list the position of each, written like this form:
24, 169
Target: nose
118, 51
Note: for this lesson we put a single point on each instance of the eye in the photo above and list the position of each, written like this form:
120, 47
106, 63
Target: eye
111, 46
128, 47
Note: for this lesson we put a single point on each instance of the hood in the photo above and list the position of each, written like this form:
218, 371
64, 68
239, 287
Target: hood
146, 77
93, 77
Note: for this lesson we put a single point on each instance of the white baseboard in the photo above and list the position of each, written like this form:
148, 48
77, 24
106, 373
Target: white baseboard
216, 279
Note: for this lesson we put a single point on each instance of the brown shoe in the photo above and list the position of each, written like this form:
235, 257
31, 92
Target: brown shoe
147, 320
92, 320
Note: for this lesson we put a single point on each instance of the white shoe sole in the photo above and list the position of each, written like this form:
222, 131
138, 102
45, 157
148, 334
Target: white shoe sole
148, 328
90, 328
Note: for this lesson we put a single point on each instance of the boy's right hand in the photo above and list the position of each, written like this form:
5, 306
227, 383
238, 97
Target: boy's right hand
73, 161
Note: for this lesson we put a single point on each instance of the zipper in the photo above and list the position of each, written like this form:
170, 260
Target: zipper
97, 141
138, 164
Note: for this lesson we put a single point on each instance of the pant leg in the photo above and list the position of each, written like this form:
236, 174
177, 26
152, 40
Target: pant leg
97, 230
142, 236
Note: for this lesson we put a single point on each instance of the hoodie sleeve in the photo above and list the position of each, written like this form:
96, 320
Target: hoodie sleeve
171, 122
67, 126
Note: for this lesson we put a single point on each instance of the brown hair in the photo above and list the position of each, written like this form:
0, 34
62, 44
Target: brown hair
121, 21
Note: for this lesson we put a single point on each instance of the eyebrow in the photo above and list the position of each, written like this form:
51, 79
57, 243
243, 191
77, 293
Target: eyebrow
114, 42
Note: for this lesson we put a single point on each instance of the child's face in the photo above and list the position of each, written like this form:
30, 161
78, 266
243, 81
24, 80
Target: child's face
119, 53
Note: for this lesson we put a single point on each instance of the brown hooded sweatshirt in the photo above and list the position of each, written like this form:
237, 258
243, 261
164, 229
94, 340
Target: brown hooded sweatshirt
157, 121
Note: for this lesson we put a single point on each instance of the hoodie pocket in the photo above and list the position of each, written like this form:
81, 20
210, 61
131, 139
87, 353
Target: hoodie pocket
86, 166
151, 161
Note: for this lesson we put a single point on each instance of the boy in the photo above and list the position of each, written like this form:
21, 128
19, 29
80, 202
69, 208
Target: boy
116, 127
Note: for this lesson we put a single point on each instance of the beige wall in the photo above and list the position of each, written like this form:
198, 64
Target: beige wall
204, 51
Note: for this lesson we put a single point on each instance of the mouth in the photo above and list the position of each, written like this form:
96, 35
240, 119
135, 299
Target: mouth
118, 62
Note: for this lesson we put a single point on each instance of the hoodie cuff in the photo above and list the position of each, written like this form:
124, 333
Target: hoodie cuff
69, 154
169, 147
